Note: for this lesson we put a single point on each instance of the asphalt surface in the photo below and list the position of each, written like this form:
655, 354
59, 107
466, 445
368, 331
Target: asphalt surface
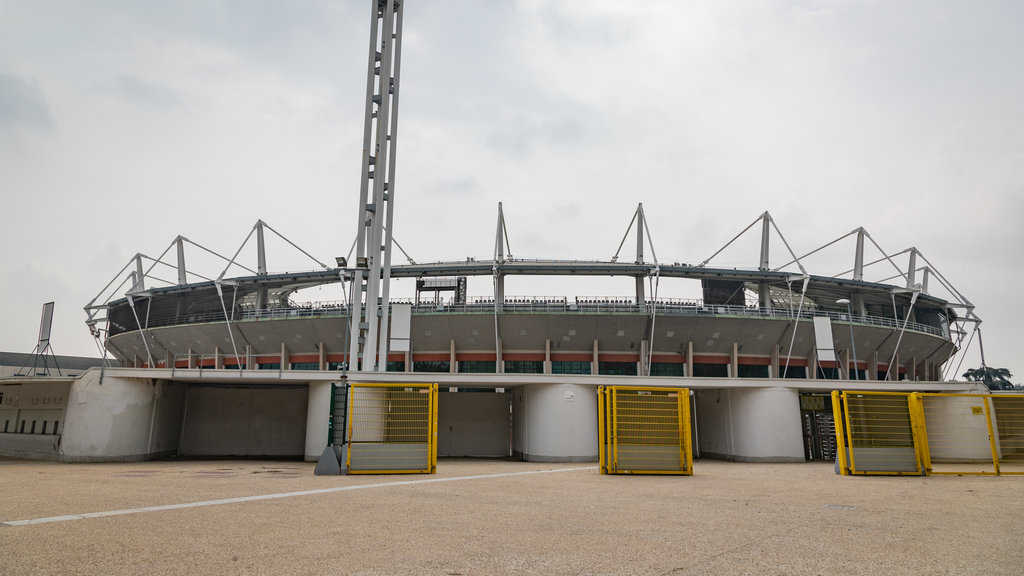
501, 517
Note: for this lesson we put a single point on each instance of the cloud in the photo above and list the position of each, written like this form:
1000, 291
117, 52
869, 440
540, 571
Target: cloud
142, 91
22, 105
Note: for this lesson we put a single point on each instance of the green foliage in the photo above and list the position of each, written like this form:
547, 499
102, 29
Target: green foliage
993, 378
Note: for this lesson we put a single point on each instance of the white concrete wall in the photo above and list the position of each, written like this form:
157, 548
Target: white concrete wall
473, 424
318, 415
555, 423
750, 424
108, 418
251, 421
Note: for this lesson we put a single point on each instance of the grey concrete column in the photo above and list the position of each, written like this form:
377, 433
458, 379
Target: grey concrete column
218, 362
644, 365
547, 356
408, 360
734, 361
318, 413
452, 368
284, 357
594, 363
689, 359
812, 365
499, 365
323, 357
191, 359
774, 371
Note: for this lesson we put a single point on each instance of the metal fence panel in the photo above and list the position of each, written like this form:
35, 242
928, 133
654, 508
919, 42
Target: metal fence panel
644, 430
1009, 429
392, 428
876, 434
959, 433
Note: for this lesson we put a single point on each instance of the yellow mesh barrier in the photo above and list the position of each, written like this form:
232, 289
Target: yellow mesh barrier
879, 434
929, 433
392, 428
644, 430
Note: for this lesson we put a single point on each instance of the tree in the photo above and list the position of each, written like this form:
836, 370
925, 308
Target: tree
993, 378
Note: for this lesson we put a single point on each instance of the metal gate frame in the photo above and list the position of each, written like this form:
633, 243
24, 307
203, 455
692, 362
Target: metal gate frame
422, 424
1004, 435
611, 423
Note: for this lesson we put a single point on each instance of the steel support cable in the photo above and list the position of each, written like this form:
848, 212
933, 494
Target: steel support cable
629, 227
895, 350
816, 250
799, 264
222, 257
293, 245
227, 321
964, 354
654, 314
142, 333
734, 238
796, 323
237, 252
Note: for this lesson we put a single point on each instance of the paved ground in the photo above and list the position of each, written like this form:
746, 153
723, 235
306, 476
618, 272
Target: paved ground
488, 517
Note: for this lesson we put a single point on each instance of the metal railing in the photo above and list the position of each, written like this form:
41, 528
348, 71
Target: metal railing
580, 305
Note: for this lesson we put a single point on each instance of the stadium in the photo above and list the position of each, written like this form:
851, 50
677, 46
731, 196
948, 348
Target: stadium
234, 361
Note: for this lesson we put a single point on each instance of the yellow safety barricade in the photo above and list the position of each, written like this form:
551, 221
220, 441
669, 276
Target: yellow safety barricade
875, 433
929, 433
392, 429
644, 430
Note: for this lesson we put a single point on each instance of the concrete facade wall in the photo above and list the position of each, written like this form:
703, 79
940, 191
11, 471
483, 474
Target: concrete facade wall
318, 417
254, 421
108, 418
473, 424
555, 423
750, 424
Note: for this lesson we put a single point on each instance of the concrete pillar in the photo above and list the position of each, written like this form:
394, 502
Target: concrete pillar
167, 359
218, 361
408, 360
912, 368
873, 366
773, 369
249, 365
285, 365
556, 423
734, 361
191, 359
323, 356
318, 412
844, 365
812, 365
644, 369
594, 362
499, 365
689, 360
750, 424
452, 368
547, 356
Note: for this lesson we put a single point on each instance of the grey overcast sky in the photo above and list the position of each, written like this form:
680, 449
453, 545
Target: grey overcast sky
124, 124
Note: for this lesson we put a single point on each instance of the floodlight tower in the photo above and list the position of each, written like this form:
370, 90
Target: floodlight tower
377, 189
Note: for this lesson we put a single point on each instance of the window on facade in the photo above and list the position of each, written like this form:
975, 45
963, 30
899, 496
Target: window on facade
856, 374
524, 366
305, 365
55, 424
747, 371
33, 431
828, 373
270, 366
431, 366
393, 366
7, 423
617, 368
793, 371
233, 366
667, 369
570, 367
477, 367
22, 431
44, 427
711, 370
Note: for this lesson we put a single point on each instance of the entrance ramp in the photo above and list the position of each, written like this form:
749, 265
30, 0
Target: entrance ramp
392, 429
644, 430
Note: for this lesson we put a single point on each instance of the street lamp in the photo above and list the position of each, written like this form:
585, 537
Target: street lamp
853, 344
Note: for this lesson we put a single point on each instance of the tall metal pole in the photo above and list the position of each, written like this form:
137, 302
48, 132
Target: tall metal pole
373, 248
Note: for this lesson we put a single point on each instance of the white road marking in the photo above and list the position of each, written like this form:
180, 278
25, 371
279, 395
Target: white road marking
276, 496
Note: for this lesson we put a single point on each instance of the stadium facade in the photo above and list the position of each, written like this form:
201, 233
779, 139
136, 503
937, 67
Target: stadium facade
234, 365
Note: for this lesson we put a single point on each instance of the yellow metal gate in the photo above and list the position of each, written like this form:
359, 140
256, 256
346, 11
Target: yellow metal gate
644, 430
392, 428
929, 433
